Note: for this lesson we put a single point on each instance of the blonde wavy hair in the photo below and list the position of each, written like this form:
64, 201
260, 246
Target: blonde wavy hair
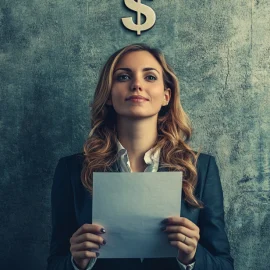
174, 130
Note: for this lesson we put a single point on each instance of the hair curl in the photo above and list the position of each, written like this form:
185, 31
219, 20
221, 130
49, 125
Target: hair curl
174, 129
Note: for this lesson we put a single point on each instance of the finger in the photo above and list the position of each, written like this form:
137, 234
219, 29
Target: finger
180, 229
183, 239
175, 220
84, 246
92, 228
85, 254
178, 237
182, 246
88, 237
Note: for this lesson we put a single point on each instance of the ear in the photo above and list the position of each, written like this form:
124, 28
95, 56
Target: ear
167, 96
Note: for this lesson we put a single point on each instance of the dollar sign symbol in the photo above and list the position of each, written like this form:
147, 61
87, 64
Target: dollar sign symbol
148, 12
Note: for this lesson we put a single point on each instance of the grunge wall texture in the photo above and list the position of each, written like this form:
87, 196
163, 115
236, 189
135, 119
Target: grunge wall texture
51, 53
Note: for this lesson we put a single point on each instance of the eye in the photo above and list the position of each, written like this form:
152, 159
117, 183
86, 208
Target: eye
151, 78
122, 77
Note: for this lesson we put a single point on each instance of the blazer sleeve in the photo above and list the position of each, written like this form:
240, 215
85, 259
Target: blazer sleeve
213, 251
63, 219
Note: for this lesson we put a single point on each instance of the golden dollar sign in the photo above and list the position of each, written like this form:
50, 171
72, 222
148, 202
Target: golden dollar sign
148, 12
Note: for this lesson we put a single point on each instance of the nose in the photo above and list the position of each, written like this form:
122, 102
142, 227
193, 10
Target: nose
136, 84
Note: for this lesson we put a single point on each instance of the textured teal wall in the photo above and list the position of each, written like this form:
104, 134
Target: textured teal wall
51, 53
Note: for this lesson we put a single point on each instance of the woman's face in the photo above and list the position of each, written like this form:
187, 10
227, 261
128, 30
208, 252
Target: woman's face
138, 87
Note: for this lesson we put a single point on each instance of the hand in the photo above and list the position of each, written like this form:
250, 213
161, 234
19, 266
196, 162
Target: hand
84, 241
183, 234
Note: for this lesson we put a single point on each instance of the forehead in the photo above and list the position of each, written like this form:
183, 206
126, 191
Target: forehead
137, 60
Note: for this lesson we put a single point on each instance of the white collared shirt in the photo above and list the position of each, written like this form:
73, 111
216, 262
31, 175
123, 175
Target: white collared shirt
150, 158
152, 161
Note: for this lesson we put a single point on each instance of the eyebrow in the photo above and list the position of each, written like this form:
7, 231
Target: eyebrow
129, 70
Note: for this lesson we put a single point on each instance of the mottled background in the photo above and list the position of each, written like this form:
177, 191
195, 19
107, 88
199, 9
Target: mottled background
51, 53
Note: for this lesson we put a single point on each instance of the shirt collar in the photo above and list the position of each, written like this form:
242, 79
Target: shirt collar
149, 157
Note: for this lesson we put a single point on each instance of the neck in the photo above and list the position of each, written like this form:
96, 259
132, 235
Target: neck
137, 136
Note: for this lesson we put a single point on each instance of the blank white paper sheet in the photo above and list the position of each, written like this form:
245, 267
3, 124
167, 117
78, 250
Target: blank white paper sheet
131, 207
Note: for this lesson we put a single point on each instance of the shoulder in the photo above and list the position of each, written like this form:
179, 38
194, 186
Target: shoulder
74, 161
204, 160
208, 173
206, 164
74, 157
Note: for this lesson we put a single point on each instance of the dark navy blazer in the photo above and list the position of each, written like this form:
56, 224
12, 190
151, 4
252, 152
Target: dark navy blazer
72, 207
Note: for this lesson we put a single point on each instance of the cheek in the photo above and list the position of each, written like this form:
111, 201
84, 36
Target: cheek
115, 93
117, 98
158, 97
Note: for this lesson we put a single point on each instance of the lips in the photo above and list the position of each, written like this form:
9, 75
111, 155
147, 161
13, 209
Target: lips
136, 97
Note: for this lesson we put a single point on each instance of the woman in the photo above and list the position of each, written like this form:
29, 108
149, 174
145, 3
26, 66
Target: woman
138, 124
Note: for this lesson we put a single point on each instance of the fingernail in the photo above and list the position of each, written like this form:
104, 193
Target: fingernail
104, 242
163, 229
102, 230
97, 254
